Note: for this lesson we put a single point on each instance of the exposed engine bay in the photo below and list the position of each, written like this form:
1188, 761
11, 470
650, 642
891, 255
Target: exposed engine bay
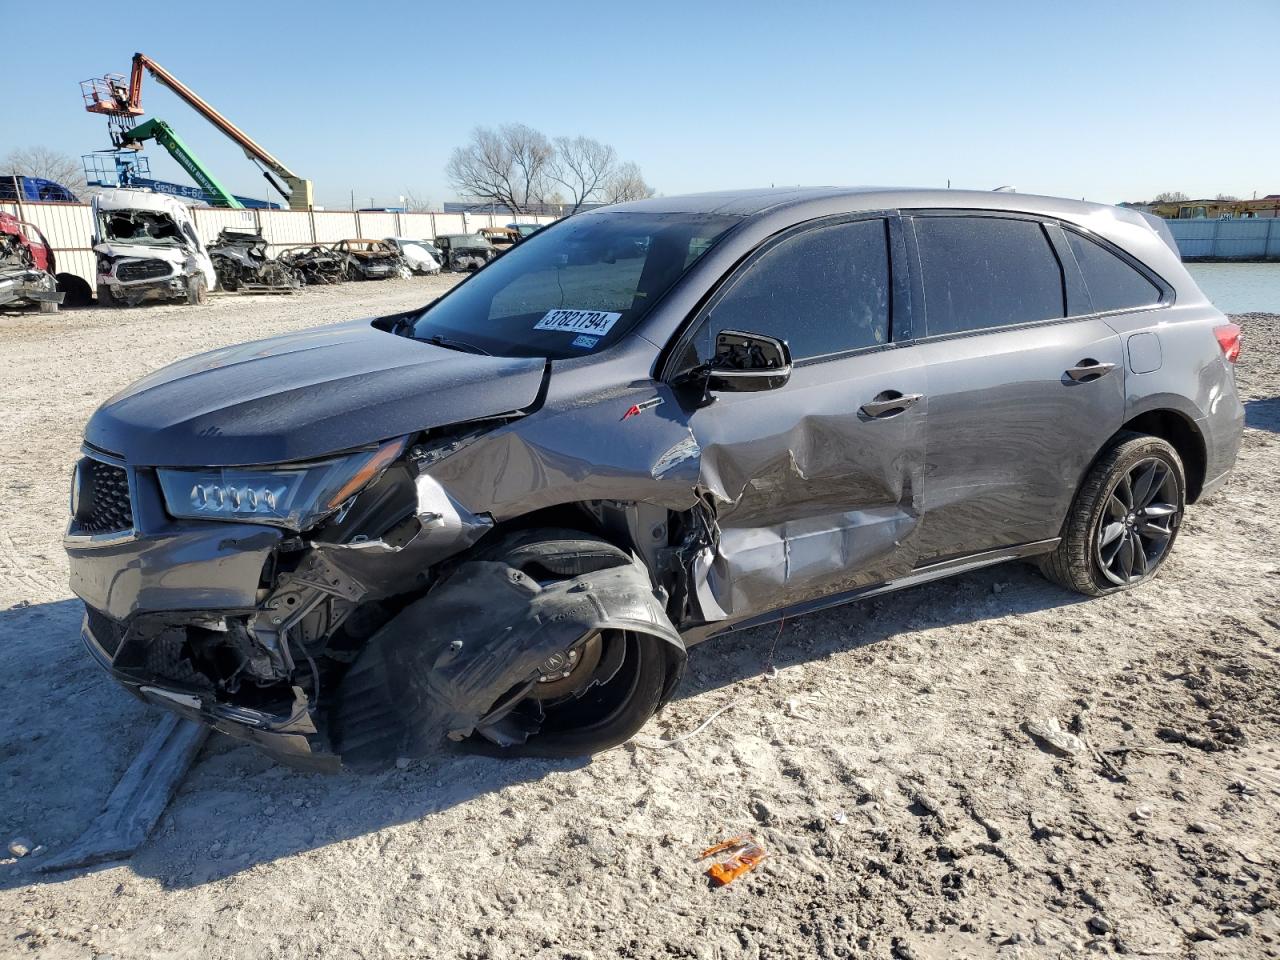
316, 263
26, 266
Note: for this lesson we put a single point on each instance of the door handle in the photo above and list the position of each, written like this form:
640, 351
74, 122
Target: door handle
1089, 369
890, 403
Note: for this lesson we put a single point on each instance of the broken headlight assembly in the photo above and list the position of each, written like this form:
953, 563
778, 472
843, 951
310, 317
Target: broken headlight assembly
295, 496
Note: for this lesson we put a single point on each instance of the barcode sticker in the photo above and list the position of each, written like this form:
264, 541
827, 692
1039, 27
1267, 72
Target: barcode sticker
596, 322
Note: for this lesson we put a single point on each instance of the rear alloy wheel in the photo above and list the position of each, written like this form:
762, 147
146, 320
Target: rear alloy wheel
1124, 520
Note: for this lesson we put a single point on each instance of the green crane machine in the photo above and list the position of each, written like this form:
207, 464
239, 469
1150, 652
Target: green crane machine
167, 137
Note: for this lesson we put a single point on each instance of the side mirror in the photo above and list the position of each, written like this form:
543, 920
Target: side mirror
748, 362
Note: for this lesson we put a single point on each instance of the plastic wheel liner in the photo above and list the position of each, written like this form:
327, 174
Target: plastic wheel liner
477, 641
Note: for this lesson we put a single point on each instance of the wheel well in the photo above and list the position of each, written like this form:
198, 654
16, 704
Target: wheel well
1182, 435
567, 516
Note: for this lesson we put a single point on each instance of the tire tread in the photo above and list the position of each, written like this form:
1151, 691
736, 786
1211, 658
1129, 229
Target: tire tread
1070, 565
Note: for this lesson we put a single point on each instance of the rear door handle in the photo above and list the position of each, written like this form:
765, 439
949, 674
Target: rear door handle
1089, 369
890, 403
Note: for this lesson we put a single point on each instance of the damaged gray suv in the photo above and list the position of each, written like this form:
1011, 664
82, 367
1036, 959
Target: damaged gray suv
505, 517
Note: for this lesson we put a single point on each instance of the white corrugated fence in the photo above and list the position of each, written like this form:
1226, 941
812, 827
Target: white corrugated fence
69, 227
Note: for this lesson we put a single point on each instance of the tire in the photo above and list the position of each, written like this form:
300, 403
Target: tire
614, 710
76, 290
197, 290
108, 299
1139, 523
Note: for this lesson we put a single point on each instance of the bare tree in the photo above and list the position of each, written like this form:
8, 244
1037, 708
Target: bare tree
627, 183
506, 167
1170, 196
583, 167
43, 162
415, 202
1227, 197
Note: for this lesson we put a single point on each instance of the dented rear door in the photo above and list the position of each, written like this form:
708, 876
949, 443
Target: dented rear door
817, 484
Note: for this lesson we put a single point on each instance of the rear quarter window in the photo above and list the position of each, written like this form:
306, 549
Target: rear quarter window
1112, 283
981, 272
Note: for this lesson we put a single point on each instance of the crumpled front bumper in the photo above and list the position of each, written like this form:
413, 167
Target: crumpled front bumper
291, 738
176, 572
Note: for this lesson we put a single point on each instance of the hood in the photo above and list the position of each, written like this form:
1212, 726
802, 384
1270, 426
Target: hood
157, 251
418, 256
304, 395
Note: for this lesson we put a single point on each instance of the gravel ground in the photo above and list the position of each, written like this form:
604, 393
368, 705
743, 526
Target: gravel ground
884, 764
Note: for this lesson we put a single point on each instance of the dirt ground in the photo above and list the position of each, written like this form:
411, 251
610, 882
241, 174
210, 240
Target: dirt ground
884, 763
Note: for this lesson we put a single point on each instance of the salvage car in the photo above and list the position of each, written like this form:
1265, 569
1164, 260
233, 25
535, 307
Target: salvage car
465, 252
420, 255
26, 266
315, 263
506, 516
147, 247
241, 261
524, 230
369, 259
501, 239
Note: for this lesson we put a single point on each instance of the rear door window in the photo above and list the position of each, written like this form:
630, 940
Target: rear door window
982, 272
1112, 283
824, 290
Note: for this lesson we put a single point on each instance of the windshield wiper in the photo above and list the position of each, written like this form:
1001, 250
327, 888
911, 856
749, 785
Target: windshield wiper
450, 343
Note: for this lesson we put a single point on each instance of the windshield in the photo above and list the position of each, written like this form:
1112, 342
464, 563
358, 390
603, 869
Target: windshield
467, 241
139, 226
576, 287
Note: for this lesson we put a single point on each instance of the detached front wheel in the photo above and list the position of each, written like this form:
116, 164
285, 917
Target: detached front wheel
1124, 520
598, 693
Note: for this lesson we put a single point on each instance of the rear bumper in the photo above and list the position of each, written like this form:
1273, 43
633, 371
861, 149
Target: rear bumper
1223, 431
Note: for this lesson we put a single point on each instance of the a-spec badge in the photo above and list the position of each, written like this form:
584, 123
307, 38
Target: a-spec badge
638, 408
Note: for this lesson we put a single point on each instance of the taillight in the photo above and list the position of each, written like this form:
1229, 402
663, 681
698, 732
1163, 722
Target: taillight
1229, 340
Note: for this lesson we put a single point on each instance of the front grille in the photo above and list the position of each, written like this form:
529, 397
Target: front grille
101, 498
106, 631
132, 270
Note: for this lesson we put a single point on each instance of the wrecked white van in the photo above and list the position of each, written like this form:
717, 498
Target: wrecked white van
147, 248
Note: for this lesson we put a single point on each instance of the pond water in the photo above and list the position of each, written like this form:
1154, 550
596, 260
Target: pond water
1240, 287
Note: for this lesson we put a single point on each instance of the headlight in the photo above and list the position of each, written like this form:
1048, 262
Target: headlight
292, 495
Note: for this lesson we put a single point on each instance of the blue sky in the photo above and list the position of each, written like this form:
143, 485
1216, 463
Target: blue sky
1104, 100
